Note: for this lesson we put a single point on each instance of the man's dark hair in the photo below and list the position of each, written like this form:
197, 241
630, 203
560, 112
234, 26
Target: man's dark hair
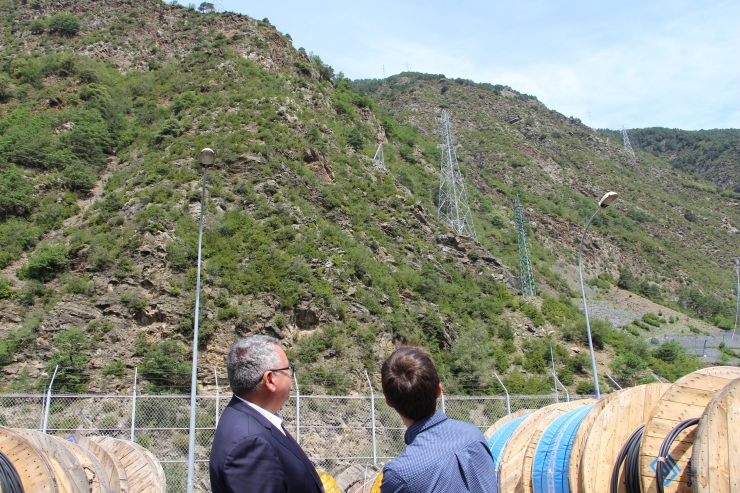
410, 382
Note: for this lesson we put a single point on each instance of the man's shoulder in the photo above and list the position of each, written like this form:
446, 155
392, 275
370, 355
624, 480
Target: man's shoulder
467, 429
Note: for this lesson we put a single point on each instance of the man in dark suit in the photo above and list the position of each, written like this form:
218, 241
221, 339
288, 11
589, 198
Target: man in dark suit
252, 452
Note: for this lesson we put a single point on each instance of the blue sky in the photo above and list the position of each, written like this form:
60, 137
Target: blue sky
637, 63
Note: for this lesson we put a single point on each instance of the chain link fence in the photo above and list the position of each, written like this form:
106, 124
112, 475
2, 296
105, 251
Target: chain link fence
713, 349
335, 431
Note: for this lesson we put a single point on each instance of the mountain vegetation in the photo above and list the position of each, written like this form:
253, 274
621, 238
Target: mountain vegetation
104, 107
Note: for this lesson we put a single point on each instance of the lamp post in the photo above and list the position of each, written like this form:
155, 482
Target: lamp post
552, 358
607, 200
207, 157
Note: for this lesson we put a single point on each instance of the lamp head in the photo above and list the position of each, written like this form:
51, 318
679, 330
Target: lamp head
45, 375
608, 199
207, 157
551, 332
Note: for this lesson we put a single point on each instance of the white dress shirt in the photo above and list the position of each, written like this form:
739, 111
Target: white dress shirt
275, 419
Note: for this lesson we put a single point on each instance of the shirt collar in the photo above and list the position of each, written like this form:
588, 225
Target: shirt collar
423, 425
274, 419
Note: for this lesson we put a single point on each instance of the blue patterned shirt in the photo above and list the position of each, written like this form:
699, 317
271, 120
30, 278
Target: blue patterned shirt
441, 455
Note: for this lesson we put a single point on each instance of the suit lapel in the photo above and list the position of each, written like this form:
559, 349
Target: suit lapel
289, 442
286, 440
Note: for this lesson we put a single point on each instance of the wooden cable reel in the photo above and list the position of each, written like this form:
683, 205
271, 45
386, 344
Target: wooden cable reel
579, 442
621, 416
140, 476
68, 471
112, 465
501, 422
512, 460
687, 398
531, 446
34, 470
715, 463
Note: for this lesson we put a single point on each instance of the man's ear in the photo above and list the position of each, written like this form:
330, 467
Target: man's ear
389, 404
268, 381
439, 390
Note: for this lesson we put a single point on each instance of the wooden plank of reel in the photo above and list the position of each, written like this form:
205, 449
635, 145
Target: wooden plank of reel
112, 465
68, 471
501, 422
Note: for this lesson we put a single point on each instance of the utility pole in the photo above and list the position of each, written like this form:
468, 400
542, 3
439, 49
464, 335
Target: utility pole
383, 72
525, 266
453, 200
628, 146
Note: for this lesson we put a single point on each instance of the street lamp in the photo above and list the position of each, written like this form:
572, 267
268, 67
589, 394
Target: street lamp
552, 358
207, 157
607, 200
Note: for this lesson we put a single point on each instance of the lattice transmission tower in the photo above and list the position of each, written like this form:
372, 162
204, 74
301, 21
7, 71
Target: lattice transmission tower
627, 145
525, 265
453, 200
379, 159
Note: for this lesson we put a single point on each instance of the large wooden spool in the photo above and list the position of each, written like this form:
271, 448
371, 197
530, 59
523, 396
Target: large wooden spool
687, 398
512, 460
715, 462
97, 478
68, 471
579, 442
528, 462
140, 475
621, 416
34, 470
112, 465
501, 422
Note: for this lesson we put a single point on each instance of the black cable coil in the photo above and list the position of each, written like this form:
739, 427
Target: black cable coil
659, 470
9, 479
630, 455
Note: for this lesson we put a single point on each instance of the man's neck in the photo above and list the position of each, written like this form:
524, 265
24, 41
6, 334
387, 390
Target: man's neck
262, 401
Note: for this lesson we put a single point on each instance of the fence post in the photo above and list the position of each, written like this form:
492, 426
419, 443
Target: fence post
567, 395
372, 416
297, 411
442, 401
508, 403
613, 381
43, 406
48, 400
133, 403
218, 401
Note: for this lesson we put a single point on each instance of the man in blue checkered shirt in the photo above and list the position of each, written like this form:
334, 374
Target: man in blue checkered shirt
441, 454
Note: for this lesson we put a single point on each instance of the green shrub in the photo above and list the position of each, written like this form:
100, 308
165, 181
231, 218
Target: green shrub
45, 263
16, 193
533, 314
64, 25
116, 369
651, 319
585, 387
6, 289
37, 26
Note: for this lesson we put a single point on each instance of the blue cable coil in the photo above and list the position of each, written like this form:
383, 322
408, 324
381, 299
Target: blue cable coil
497, 442
551, 458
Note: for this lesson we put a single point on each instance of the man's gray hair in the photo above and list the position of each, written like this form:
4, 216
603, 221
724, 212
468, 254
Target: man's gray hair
248, 360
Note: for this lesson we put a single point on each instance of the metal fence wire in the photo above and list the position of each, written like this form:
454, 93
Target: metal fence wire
335, 431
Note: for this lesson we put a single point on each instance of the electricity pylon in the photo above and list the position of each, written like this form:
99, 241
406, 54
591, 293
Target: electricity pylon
379, 159
525, 266
453, 200
628, 146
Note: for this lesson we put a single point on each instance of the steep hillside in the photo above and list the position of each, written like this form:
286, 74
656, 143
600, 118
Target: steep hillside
104, 108
713, 155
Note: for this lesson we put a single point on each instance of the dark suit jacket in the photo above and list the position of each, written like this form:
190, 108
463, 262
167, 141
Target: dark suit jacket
249, 455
